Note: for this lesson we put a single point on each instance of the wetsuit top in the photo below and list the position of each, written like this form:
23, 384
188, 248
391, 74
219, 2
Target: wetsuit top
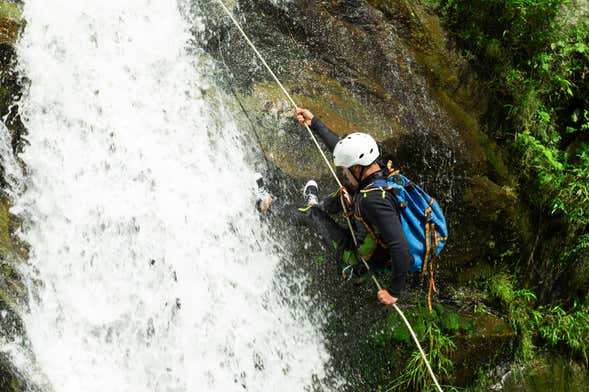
382, 215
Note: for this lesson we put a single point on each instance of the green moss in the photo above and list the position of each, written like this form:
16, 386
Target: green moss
490, 199
9, 382
420, 320
395, 329
342, 110
502, 288
500, 226
478, 145
335, 104
10, 21
11, 10
6, 245
451, 323
11, 250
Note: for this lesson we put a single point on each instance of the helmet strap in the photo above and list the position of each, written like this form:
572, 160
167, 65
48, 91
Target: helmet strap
358, 178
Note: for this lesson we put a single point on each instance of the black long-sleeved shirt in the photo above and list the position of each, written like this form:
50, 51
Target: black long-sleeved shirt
329, 137
381, 214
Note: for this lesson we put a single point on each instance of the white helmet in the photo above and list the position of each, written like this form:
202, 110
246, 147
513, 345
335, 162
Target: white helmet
355, 149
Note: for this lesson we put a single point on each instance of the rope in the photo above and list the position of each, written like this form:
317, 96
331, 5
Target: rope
250, 43
374, 279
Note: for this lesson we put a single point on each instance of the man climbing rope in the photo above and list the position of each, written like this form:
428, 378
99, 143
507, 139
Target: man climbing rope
380, 236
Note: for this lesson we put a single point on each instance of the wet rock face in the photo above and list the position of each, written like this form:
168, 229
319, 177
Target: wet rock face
10, 92
12, 294
546, 373
380, 67
10, 89
384, 68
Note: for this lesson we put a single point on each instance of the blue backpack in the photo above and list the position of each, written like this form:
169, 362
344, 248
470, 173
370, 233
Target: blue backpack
422, 220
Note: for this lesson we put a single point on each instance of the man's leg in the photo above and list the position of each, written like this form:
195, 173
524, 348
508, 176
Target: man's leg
335, 238
332, 234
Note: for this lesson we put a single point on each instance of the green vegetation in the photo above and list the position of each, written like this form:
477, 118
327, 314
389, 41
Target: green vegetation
436, 332
416, 374
534, 57
517, 304
568, 329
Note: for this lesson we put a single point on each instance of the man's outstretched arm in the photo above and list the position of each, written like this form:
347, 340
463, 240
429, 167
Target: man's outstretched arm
329, 137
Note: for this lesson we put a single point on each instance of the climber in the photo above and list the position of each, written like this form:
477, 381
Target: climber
377, 213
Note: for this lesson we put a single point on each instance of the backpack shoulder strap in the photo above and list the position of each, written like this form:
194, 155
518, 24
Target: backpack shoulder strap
358, 212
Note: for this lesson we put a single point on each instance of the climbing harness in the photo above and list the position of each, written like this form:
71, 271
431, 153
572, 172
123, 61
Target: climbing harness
341, 187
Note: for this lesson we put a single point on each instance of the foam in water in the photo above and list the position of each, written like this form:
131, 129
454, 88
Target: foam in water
150, 269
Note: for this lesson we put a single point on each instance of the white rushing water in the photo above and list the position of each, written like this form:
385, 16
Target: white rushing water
150, 270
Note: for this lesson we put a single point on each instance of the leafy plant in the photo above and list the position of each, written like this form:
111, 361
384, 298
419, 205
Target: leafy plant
534, 55
559, 326
416, 375
518, 304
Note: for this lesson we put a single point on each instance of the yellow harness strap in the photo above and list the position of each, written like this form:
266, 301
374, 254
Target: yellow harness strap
429, 257
305, 209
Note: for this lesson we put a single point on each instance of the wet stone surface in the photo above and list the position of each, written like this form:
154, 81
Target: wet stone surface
385, 68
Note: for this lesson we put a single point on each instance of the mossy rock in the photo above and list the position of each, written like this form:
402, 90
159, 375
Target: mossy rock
10, 21
12, 290
490, 200
487, 342
480, 338
547, 372
12, 295
287, 144
331, 61
494, 225
9, 379
11, 248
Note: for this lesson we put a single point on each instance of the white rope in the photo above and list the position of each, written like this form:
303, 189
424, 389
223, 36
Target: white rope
282, 88
429, 368
376, 282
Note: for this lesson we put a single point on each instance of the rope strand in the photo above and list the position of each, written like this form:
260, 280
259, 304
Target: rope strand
327, 162
251, 44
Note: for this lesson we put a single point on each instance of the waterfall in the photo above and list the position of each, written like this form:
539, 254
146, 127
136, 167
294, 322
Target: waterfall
149, 268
